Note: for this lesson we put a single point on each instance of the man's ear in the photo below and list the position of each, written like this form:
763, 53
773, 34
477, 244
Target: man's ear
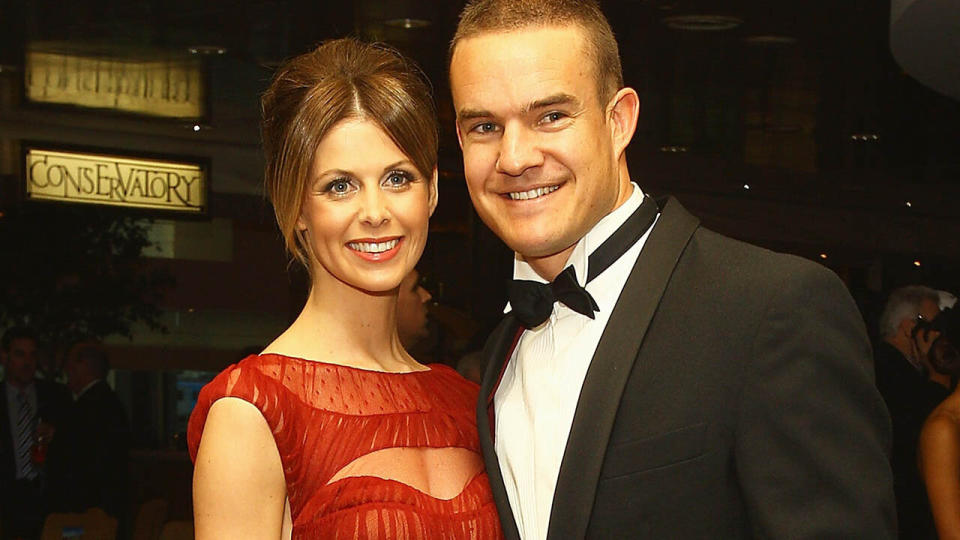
434, 188
624, 109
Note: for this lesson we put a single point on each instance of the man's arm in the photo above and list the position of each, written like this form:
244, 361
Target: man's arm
813, 434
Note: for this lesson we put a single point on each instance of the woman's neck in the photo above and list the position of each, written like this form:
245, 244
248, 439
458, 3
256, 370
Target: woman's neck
341, 324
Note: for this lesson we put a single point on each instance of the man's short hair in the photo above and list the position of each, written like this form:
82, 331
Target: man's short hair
904, 303
18, 332
92, 353
488, 16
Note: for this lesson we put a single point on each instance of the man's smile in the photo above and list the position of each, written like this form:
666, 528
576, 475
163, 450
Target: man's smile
534, 193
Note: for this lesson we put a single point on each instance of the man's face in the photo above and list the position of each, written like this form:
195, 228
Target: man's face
412, 310
20, 361
538, 150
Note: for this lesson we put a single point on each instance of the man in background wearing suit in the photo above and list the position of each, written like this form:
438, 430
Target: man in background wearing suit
30, 410
698, 387
88, 460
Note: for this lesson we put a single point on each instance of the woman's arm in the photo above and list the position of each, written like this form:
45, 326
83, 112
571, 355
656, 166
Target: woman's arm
238, 484
940, 466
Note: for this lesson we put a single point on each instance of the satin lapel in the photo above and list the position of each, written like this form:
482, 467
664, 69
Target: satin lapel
610, 368
496, 351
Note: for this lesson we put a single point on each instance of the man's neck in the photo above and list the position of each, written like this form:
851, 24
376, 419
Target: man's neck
549, 267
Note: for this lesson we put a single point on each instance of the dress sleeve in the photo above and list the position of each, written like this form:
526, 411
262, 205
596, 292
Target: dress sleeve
245, 380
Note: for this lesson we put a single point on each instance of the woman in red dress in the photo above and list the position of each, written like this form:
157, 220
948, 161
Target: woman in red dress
334, 431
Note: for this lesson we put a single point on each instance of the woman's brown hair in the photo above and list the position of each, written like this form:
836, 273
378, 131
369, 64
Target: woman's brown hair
311, 93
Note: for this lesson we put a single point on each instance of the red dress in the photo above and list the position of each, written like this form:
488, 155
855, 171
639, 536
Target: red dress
367, 454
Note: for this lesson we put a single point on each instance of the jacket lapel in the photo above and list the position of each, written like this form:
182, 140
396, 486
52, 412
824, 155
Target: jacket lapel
610, 368
497, 350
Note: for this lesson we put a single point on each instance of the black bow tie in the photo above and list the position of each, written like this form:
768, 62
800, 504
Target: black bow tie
532, 301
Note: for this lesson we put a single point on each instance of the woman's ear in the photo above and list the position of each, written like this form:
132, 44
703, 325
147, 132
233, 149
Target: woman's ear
433, 187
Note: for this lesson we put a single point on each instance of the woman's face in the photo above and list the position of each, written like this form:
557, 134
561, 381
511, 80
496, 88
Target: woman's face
366, 210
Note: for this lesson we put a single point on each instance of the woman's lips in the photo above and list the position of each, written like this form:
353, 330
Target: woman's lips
376, 249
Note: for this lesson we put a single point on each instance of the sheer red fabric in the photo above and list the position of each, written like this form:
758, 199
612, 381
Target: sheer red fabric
367, 454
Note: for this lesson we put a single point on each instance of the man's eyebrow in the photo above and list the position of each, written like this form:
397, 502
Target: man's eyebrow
472, 114
552, 101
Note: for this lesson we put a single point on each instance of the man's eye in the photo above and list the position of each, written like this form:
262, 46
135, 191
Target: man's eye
485, 127
553, 117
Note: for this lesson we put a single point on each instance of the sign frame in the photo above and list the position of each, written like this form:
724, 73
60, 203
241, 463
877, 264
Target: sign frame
204, 163
206, 104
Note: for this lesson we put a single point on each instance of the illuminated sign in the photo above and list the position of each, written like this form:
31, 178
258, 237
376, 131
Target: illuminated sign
115, 180
171, 88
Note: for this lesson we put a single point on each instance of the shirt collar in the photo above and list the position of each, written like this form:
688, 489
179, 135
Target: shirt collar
85, 388
579, 257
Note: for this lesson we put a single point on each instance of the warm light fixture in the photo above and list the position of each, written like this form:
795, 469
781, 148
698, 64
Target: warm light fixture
207, 49
909, 204
865, 137
673, 148
408, 23
702, 23
770, 40
823, 255
746, 186
916, 263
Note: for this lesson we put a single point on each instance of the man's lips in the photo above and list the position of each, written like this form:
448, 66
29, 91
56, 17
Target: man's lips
533, 193
376, 249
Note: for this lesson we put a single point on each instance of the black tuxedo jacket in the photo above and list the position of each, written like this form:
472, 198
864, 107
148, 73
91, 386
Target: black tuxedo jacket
730, 396
52, 402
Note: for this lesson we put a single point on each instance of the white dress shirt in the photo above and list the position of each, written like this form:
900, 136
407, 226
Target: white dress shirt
537, 396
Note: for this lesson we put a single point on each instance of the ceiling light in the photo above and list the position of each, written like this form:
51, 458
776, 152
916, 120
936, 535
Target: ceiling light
408, 23
909, 204
746, 186
865, 137
916, 263
673, 148
207, 49
823, 255
770, 40
702, 23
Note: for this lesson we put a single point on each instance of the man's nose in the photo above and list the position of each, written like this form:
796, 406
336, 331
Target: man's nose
518, 151
425, 295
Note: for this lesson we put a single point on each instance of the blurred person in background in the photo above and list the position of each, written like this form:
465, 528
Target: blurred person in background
31, 409
412, 300
939, 446
88, 460
903, 371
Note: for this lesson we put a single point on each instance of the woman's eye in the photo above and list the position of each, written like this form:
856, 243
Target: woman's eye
397, 179
338, 187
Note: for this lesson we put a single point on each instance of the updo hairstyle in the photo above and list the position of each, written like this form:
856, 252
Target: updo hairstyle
341, 79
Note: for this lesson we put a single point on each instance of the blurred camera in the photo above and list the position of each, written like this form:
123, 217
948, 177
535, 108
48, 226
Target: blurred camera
944, 355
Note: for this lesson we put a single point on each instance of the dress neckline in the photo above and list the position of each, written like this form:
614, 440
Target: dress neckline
429, 367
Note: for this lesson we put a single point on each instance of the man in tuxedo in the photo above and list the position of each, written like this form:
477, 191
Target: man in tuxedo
30, 410
697, 386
